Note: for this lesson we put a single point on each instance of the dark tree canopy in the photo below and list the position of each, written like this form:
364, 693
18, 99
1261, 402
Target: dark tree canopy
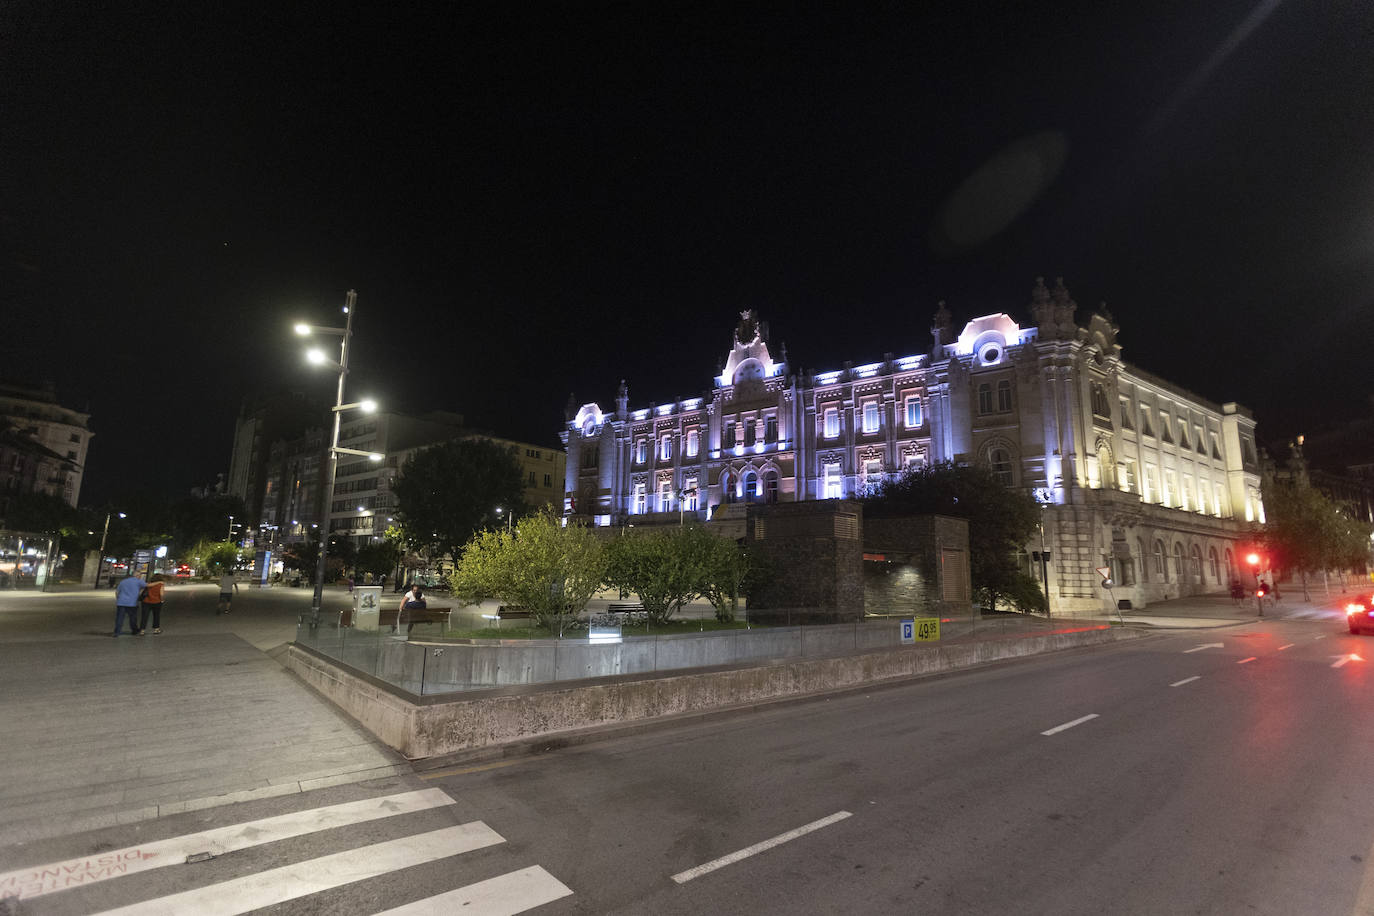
448, 492
1000, 520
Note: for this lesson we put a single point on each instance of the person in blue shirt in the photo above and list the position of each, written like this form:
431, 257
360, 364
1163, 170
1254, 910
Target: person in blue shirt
128, 593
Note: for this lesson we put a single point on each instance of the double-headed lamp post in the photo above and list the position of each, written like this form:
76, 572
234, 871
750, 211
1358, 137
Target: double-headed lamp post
104, 534
317, 357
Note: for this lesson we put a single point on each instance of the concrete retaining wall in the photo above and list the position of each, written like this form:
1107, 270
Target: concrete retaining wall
431, 726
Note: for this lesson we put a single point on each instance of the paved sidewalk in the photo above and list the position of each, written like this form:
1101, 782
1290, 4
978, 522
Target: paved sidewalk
1205, 611
100, 731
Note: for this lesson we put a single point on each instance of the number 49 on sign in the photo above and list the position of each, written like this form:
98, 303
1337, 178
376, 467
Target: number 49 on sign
921, 629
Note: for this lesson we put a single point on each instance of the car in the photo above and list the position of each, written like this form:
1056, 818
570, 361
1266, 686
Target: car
183, 571
1359, 615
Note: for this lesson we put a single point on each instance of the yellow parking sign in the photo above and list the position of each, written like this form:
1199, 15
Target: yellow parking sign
927, 629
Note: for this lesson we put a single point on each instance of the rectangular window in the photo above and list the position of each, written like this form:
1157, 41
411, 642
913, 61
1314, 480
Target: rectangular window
665, 497
1126, 415
1164, 427
1003, 396
693, 443
689, 495
1202, 496
985, 398
76, 437
1170, 488
727, 435
915, 461
1216, 500
548, 480
871, 417
750, 434
913, 412
770, 429
1183, 494
641, 451
531, 480
1145, 429
1151, 481
832, 423
1128, 477
640, 499
834, 487
873, 470
665, 448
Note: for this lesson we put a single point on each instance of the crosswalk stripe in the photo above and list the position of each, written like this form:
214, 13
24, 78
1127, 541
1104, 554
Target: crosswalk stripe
277, 885
27, 883
502, 896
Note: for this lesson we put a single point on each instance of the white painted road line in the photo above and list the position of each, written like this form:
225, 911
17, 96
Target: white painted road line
1289, 646
1210, 645
502, 896
27, 883
277, 885
683, 877
1186, 680
1250, 659
1059, 728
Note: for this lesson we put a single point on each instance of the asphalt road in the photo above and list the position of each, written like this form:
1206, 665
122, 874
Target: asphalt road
1209, 779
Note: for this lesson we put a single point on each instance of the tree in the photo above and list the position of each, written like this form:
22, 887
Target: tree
666, 568
378, 558
448, 492
540, 565
1307, 532
731, 572
1000, 520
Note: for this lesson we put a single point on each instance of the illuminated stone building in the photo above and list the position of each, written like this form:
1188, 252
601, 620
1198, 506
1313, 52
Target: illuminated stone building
42, 444
1136, 474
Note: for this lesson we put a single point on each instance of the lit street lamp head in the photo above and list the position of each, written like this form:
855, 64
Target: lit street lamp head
367, 405
316, 357
303, 329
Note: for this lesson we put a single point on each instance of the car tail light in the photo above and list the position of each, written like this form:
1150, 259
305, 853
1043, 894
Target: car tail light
1354, 608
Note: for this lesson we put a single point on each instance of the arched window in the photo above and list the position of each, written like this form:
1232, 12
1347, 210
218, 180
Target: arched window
1003, 396
985, 398
1195, 556
999, 459
1230, 564
770, 487
751, 487
727, 488
1160, 569
1214, 564
1178, 560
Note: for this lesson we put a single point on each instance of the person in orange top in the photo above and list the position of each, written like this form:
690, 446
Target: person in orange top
152, 604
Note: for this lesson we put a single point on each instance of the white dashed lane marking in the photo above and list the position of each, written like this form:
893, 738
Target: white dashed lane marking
683, 877
1067, 725
1186, 680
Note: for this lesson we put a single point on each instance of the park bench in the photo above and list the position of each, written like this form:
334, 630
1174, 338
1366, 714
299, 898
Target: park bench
388, 617
509, 612
624, 608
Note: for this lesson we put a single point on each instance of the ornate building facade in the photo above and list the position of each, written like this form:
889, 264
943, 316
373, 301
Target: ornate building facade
1136, 474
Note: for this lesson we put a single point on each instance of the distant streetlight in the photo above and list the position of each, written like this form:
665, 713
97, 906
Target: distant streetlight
317, 357
100, 564
501, 511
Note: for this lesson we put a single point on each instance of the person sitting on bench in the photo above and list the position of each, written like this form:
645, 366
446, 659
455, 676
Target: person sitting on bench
413, 600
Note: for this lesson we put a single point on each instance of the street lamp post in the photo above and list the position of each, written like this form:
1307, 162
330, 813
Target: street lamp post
327, 490
100, 563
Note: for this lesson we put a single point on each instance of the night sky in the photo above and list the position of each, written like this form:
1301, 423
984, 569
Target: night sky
538, 202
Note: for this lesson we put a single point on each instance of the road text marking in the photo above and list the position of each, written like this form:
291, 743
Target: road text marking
278, 885
26, 883
1059, 728
1210, 645
1244, 660
683, 877
1186, 680
1289, 646
1342, 659
505, 895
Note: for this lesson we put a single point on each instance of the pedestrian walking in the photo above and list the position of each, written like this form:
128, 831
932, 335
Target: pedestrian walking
152, 606
228, 587
128, 593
